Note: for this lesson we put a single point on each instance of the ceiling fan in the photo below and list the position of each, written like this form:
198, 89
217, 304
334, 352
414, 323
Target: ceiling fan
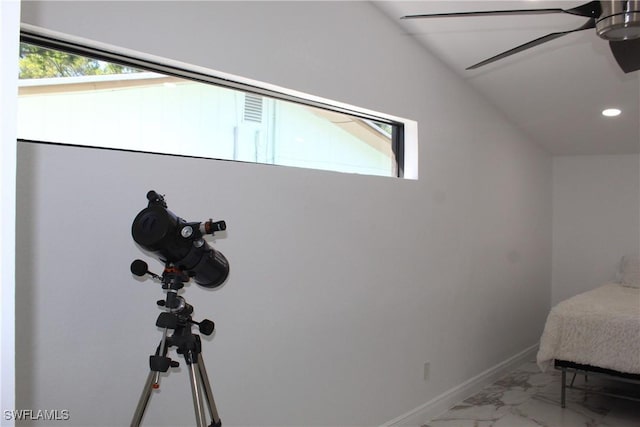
614, 20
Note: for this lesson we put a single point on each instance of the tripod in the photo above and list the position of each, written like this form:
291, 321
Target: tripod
178, 318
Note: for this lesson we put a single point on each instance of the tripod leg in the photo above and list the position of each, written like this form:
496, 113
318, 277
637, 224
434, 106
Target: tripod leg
196, 392
144, 400
208, 394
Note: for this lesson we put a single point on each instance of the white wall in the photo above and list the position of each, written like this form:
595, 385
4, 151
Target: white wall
596, 220
10, 25
342, 286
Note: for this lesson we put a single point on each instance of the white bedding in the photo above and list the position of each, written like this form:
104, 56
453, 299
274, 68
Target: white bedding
600, 327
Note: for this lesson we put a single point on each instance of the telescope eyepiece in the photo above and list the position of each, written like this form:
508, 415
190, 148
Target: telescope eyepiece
211, 227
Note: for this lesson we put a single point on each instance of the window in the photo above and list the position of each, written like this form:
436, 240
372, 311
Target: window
72, 94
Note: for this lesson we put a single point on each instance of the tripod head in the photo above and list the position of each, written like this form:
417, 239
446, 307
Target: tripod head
178, 312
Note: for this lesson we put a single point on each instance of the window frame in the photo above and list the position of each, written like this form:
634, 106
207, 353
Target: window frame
33, 35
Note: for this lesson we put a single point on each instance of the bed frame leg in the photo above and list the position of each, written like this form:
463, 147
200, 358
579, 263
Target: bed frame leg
573, 379
563, 389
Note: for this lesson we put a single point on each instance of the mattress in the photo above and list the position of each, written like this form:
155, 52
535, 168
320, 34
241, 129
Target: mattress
600, 327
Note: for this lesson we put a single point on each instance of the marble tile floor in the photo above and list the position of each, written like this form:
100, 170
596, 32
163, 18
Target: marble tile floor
527, 397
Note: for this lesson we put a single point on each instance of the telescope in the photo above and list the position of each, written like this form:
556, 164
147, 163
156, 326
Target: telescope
180, 243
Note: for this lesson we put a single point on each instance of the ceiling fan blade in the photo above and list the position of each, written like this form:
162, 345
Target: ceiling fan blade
627, 53
589, 10
591, 23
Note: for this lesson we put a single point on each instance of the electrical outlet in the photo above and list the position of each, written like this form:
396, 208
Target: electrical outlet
427, 366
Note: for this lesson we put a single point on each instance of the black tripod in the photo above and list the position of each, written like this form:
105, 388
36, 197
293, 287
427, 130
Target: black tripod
178, 318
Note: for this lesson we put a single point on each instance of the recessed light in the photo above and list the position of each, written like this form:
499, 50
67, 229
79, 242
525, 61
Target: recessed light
611, 112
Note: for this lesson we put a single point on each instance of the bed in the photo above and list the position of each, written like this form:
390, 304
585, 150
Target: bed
596, 332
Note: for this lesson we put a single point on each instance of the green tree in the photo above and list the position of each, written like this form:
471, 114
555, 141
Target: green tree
38, 62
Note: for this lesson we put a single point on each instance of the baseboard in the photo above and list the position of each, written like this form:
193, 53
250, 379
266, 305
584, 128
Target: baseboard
441, 404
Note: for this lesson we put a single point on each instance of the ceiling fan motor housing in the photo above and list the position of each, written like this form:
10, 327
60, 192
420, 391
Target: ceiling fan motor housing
619, 20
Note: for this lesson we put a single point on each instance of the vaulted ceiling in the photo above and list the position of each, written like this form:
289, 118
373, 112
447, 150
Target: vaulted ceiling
554, 92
